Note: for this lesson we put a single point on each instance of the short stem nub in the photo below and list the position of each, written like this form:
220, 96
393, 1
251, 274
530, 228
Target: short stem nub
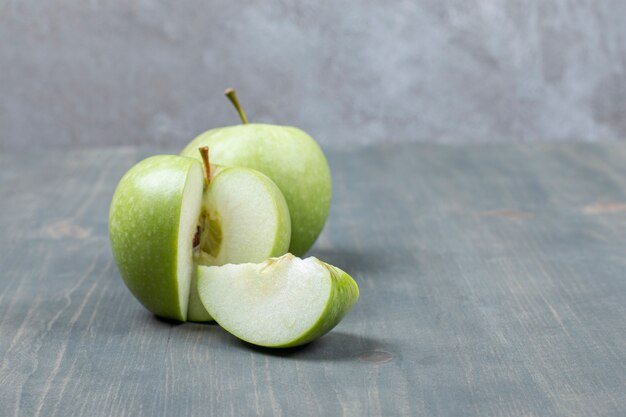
204, 151
232, 96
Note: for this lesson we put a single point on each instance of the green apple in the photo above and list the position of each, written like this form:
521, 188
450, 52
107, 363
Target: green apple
167, 212
289, 156
282, 302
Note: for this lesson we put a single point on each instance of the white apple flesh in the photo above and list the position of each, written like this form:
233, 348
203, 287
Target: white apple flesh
245, 219
246, 216
282, 302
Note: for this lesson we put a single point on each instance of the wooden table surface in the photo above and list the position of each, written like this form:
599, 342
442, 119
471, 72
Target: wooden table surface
493, 283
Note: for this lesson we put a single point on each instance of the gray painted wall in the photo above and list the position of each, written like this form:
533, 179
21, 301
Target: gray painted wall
142, 72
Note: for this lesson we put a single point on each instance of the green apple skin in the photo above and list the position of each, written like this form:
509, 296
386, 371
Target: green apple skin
144, 222
291, 158
344, 292
196, 311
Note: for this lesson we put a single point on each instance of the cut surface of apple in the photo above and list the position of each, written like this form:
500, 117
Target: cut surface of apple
282, 302
244, 218
163, 220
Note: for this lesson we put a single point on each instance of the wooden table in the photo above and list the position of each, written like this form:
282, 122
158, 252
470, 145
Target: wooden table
493, 283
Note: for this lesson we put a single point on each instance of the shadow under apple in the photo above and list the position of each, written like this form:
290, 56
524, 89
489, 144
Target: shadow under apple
335, 346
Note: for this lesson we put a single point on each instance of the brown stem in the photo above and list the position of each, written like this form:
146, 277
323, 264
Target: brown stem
204, 151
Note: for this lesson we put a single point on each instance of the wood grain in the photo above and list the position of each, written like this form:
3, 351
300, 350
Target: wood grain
492, 284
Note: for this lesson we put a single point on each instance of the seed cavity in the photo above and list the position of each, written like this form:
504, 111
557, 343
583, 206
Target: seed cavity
196, 237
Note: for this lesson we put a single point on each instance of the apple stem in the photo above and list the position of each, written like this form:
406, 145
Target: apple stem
204, 151
232, 96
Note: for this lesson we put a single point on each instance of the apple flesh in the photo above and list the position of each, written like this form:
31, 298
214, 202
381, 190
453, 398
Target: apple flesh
161, 220
244, 218
290, 157
282, 302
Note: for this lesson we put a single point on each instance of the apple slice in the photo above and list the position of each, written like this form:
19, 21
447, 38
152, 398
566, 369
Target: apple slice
246, 219
162, 219
282, 302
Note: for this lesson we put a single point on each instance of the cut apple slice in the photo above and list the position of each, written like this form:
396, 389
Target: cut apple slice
245, 217
282, 302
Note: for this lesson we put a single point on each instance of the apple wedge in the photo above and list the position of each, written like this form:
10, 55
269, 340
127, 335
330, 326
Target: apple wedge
167, 213
244, 213
282, 302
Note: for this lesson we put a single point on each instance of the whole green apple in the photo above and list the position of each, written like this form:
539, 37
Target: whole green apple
289, 156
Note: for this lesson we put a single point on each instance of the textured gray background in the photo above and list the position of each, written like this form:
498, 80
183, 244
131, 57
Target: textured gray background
121, 72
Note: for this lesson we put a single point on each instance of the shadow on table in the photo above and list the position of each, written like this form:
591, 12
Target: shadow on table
176, 323
335, 346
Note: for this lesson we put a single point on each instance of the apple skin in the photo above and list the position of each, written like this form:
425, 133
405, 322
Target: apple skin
291, 158
196, 311
345, 293
143, 228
